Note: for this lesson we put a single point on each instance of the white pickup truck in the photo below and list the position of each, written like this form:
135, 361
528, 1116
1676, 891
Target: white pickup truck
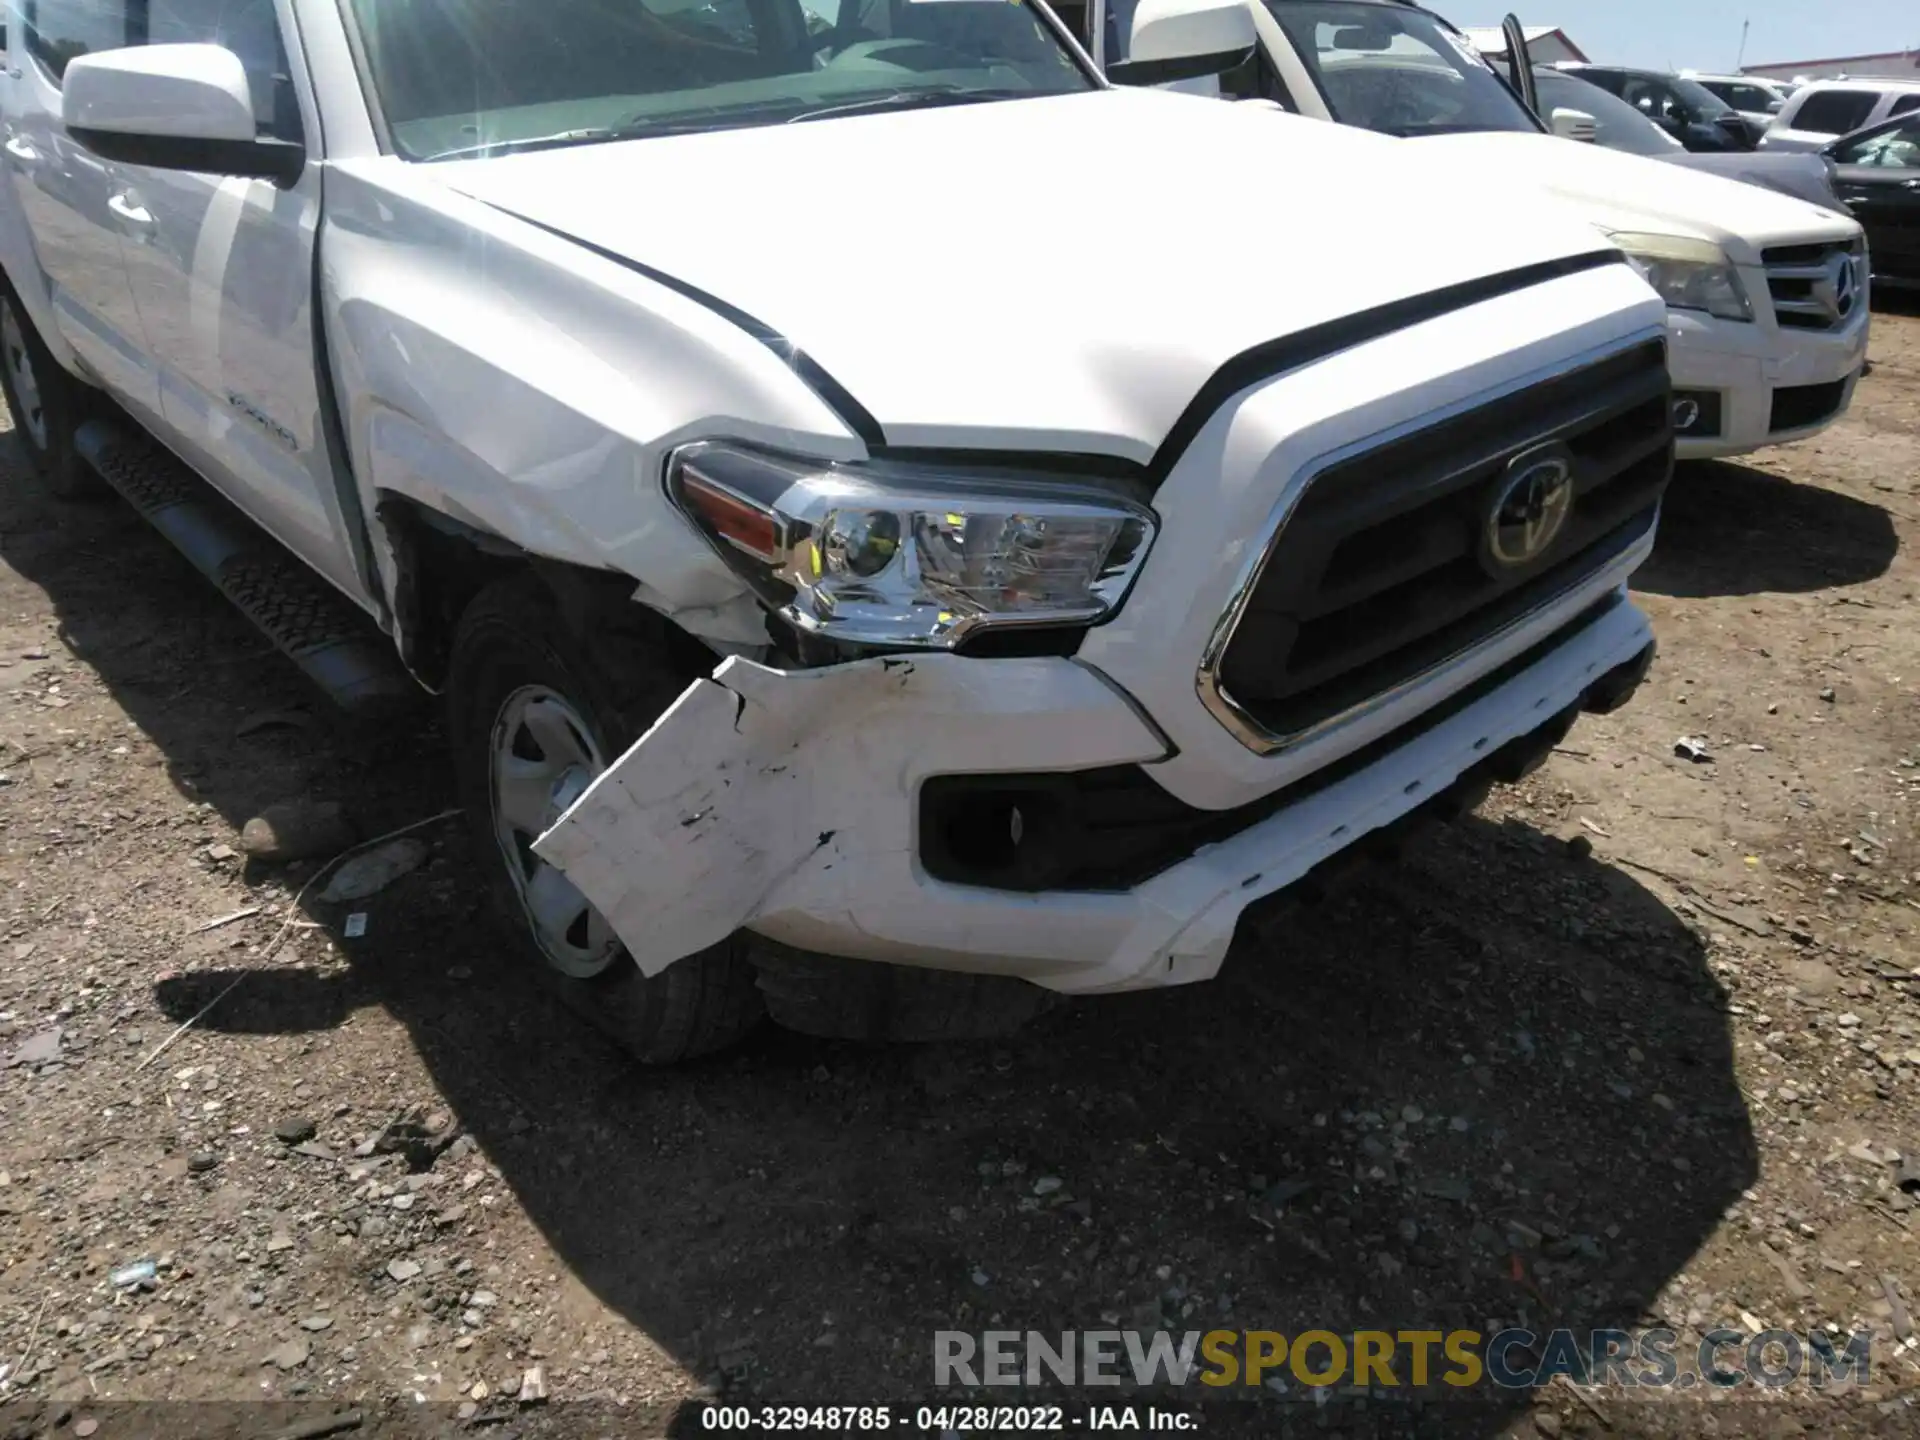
1768, 305
850, 601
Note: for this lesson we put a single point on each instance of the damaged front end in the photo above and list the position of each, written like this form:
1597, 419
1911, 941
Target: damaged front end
801, 805
782, 801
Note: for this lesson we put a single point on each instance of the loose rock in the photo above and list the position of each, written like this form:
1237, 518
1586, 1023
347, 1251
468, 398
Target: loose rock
296, 1130
369, 874
290, 1355
297, 830
38, 1049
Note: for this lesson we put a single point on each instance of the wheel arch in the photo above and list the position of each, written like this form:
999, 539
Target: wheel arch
441, 565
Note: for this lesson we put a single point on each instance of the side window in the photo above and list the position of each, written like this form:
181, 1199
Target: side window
58, 31
251, 30
1898, 148
1654, 100
1834, 112
1904, 104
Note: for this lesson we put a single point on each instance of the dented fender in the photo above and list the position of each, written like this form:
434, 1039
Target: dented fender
760, 789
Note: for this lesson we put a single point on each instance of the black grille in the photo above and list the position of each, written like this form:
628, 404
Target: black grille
1796, 406
1377, 575
1797, 279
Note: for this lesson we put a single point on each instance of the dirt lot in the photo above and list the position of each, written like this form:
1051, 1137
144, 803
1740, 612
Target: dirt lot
1667, 1082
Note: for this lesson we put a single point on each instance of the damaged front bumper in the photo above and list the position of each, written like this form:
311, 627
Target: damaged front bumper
789, 803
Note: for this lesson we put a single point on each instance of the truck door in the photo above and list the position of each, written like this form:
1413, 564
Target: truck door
66, 194
223, 270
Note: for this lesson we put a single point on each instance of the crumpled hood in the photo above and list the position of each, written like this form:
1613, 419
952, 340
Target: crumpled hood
1059, 274
1619, 191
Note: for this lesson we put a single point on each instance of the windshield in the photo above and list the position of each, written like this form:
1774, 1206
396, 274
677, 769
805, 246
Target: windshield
1617, 124
1397, 70
456, 78
1703, 102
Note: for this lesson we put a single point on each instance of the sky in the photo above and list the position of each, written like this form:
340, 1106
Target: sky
1705, 35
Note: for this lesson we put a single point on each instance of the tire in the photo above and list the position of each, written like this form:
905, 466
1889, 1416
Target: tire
901, 1004
46, 403
539, 709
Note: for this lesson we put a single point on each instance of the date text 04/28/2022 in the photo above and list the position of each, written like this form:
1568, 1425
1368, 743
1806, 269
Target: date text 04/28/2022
943, 1419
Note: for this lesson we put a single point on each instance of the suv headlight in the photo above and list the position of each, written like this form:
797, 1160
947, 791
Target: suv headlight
891, 554
1688, 274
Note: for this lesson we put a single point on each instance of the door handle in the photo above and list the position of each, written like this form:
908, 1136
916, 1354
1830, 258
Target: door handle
129, 211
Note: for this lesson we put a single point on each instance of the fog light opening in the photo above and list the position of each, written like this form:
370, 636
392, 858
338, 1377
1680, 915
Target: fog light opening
997, 832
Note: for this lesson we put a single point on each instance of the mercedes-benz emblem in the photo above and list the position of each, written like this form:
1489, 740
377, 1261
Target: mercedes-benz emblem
1846, 287
1838, 291
1530, 505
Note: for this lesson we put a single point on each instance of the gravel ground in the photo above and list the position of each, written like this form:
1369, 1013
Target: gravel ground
1636, 1045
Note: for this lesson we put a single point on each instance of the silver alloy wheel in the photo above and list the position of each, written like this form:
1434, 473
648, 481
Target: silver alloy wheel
26, 385
543, 757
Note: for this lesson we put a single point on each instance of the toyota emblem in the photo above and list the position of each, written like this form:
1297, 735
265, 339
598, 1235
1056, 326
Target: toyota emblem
1530, 506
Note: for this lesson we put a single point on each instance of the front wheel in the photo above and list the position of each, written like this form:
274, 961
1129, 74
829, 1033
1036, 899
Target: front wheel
535, 714
46, 405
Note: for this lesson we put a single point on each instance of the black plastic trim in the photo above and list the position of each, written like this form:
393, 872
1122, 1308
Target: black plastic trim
280, 161
1276, 357
1177, 67
836, 396
1115, 828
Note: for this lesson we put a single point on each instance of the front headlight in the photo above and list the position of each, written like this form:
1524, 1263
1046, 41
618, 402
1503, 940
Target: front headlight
1688, 274
890, 554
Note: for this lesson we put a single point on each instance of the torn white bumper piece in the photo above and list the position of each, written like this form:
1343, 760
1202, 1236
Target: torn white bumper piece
786, 802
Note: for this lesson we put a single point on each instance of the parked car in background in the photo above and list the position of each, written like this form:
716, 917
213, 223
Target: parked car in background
1824, 110
1878, 176
1752, 365
1758, 99
1617, 125
1685, 109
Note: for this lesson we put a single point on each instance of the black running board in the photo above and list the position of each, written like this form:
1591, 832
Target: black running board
318, 628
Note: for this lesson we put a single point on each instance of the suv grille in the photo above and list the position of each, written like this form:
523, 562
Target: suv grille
1816, 287
1380, 573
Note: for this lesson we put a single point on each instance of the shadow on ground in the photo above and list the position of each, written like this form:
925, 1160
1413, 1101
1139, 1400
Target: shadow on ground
1728, 529
1492, 1086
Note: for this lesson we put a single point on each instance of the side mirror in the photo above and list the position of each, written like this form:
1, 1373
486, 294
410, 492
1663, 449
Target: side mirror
173, 107
1185, 40
1774, 107
1575, 125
